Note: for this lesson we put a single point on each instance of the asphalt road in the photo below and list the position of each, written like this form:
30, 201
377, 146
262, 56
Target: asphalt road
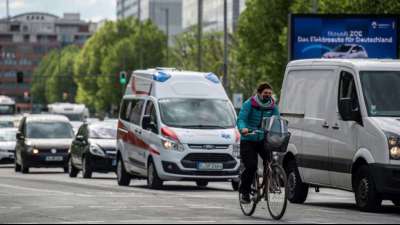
51, 197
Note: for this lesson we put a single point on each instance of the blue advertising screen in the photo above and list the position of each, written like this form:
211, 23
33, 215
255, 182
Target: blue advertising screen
344, 37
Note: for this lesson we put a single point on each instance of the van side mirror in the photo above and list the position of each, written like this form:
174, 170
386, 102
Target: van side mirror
347, 111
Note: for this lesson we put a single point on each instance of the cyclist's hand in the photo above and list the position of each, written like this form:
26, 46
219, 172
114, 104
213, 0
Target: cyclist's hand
245, 132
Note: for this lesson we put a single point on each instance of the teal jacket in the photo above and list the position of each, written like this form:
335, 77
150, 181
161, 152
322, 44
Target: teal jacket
251, 117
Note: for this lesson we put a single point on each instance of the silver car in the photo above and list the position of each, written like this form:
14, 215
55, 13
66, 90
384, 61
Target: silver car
7, 144
347, 52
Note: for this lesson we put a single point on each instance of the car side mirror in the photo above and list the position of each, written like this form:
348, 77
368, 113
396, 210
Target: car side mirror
347, 111
20, 136
80, 138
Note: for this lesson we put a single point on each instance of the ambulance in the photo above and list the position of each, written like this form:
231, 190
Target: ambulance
177, 126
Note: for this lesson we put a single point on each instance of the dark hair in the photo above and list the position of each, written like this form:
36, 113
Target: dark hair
262, 87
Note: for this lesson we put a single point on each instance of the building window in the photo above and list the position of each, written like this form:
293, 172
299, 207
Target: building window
15, 28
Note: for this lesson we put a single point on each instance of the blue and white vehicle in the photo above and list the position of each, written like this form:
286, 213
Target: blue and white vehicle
177, 126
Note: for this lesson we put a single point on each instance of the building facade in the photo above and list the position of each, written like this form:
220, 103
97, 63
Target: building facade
166, 14
25, 39
213, 14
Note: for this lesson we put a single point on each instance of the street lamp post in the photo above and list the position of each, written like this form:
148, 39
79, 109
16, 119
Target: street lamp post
225, 78
167, 31
200, 33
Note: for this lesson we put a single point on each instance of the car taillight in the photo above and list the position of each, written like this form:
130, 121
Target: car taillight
168, 133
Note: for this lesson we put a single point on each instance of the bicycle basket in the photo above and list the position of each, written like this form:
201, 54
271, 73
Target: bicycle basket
277, 135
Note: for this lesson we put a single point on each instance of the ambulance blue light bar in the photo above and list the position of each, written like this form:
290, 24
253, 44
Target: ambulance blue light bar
161, 76
213, 78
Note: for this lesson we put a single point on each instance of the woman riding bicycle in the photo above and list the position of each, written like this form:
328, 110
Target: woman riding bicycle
250, 118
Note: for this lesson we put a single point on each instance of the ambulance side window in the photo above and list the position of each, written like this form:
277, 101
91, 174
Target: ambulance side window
126, 110
136, 112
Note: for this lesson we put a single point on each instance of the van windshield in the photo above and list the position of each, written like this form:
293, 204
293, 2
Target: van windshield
73, 117
197, 113
381, 93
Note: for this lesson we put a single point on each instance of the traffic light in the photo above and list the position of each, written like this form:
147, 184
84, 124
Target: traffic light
122, 78
20, 77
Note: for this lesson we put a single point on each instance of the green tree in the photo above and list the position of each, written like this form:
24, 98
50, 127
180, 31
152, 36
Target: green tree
261, 55
40, 75
114, 48
53, 76
184, 53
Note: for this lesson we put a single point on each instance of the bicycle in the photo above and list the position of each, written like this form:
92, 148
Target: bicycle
271, 186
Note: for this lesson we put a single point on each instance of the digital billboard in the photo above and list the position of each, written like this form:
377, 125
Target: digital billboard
343, 36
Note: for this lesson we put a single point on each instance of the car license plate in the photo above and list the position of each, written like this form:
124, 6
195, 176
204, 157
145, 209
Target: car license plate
54, 158
210, 166
114, 162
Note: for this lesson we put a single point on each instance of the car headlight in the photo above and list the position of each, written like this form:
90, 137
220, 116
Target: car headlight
394, 145
97, 151
236, 151
173, 146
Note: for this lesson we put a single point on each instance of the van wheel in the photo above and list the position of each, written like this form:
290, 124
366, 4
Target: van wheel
124, 179
86, 170
297, 190
202, 184
153, 181
367, 198
235, 185
73, 171
17, 166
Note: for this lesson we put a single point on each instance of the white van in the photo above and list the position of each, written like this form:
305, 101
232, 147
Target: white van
344, 116
177, 126
76, 113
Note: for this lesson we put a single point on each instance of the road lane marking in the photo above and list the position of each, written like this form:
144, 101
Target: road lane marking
96, 207
156, 206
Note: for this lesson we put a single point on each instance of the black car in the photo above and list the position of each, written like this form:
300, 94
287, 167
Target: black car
94, 149
43, 141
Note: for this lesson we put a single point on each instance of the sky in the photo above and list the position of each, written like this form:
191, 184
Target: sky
93, 10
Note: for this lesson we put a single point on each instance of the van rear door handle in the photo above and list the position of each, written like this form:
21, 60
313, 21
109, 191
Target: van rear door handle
325, 125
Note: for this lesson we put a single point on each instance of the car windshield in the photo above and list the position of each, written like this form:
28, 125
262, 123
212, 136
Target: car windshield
7, 109
342, 48
47, 130
8, 136
197, 113
103, 132
381, 93
6, 124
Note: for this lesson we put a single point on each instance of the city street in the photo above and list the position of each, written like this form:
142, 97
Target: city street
49, 196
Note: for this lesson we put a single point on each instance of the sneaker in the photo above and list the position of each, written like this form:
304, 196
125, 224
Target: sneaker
245, 199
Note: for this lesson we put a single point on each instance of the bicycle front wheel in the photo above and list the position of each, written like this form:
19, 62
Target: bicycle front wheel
249, 209
277, 192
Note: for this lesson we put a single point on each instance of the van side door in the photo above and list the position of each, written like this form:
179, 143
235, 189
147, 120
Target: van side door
319, 103
345, 133
124, 145
137, 145
151, 130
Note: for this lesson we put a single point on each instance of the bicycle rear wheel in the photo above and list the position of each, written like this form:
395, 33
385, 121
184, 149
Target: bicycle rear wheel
249, 209
277, 192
